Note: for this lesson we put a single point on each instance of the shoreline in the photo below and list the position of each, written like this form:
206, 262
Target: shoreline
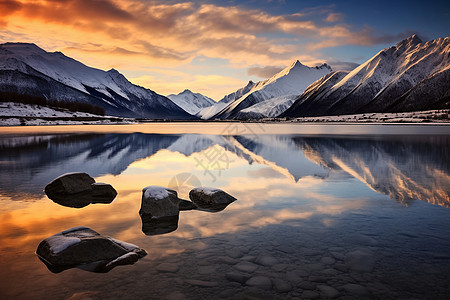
16, 114
48, 121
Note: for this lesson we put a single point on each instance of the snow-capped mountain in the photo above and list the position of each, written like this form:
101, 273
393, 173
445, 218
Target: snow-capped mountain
191, 102
293, 80
28, 69
268, 108
208, 112
410, 76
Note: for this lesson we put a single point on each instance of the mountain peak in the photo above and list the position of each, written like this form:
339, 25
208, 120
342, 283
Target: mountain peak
410, 41
116, 75
324, 66
186, 91
296, 64
113, 71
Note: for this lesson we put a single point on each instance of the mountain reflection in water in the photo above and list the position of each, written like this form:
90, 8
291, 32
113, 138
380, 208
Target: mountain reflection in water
404, 168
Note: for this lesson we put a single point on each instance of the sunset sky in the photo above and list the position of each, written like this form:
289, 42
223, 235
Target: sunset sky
215, 47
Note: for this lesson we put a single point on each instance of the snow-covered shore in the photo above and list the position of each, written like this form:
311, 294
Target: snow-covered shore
431, 116
15, 114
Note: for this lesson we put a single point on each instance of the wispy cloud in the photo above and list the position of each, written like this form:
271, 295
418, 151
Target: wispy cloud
342, 65
334, 17
263, 72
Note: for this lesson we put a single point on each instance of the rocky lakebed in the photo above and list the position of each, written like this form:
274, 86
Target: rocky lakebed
281, 262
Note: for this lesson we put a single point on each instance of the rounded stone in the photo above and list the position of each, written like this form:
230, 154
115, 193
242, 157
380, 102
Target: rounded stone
246, 266
328, 291
309, 295
261, 282
266, 260
167, 268
355, 289
282, 286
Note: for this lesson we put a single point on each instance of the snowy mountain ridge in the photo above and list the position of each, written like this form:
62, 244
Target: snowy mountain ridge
191, 102
27, 69
292, 80
411, 75
207, 113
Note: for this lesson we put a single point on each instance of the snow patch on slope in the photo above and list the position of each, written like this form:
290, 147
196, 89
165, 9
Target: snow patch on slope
191, 102
269, 108
208, 112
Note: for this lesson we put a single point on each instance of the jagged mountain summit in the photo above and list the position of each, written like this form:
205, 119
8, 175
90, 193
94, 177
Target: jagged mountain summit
410, 76
291, 81
209, 112
26, 69
191, 102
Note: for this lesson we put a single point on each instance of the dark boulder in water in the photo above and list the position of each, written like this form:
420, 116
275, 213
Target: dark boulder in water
160, 206
84, 248
69, 184
159, 202
79, 190
210, 199
160, 209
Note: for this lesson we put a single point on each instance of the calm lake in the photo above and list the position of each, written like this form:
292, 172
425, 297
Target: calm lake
323, 211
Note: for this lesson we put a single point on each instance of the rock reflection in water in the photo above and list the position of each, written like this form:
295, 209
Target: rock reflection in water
156, 226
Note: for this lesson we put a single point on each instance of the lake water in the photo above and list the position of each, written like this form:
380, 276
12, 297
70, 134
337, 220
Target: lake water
344, 211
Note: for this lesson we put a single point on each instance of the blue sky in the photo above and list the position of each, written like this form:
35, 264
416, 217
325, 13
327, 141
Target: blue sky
215, 47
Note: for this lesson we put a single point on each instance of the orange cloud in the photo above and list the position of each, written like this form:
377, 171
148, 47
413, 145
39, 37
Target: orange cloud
135, 35
334, 17
159, 30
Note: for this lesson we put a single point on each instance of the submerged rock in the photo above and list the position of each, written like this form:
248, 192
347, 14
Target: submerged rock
79, 190
261, 282
210, 199
86, 249
328, 291
361, 260
167, 268
186, 205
